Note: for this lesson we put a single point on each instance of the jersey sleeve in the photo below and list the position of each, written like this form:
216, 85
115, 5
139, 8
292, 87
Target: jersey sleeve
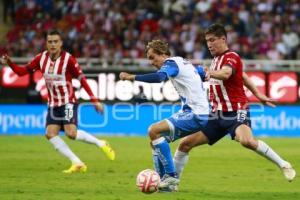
170, 68
74, 67
152, 77
34, 64
232, 60
201, 72
76, 72
29, 68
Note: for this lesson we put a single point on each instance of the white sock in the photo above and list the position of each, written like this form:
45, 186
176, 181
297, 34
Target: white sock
63, 148
180, 160
266, 151
86, 137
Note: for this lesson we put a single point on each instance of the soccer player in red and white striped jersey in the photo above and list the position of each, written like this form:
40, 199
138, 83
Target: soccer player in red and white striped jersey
59, 68
230, 112
227, 93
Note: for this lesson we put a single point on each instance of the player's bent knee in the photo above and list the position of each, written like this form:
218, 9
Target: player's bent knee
152, 132
71, 134
185, 146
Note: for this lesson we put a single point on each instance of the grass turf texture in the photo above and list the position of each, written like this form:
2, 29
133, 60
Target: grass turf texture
31, 169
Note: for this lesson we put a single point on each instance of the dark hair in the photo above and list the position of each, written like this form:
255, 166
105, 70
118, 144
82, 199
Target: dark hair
217, 30
159, 47
54, 32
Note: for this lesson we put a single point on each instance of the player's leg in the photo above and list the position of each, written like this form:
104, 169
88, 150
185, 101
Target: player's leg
163, 151
210, 134
52, 131
161, 145
157, 164
70, 128
186, 144
243, 134
53, 126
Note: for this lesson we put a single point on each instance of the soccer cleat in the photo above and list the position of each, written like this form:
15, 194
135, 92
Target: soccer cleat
81, 168
171, 188
168, 182
109, 152
288, 172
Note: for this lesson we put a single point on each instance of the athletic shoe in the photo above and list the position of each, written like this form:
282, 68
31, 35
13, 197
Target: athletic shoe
109, 152
168, 181
171, 188
81, 168
288, 172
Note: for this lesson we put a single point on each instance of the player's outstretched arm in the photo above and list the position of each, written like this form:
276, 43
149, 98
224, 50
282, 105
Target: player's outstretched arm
6, 60
251, 86
156, 77
98, 105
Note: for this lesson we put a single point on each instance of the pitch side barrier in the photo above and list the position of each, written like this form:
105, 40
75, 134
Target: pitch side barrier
106, 85
132, 119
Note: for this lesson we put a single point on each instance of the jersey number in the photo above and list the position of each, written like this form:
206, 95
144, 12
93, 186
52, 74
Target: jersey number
241, 115
69, 112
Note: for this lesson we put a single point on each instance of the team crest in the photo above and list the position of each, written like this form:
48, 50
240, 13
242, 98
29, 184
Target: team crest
51, 69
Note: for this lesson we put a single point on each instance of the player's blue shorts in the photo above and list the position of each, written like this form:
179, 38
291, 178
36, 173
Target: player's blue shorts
223, 123
66, 114
184, 123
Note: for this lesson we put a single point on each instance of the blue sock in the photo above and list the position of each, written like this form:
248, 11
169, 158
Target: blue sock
163, 151
158, 166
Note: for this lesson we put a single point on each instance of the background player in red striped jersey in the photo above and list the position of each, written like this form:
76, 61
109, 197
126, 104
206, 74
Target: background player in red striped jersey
230, 106
58, 68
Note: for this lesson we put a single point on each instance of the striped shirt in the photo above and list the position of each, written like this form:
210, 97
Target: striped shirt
228, 95
58, 76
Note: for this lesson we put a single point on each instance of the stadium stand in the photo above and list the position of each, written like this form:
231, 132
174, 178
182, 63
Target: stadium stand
114, 30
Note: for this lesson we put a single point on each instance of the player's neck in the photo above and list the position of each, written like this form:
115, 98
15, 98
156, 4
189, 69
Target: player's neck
225, 50
55, 55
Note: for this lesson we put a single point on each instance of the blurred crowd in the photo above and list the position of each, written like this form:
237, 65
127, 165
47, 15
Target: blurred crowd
116, 29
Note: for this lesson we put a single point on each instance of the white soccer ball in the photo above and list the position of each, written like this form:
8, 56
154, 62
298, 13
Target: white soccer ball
147, 181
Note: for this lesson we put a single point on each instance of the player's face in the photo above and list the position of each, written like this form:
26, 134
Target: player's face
155, 59
216, 45
54, 44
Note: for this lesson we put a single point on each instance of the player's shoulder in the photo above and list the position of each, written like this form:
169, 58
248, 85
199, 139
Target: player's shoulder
173, 59
68, 57
39, 55
177, 60
232, 54
65, 53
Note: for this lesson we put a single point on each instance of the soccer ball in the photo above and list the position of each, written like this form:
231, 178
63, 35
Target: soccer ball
147, 181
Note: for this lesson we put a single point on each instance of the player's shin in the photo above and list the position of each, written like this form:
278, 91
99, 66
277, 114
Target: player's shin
63, 148
88, 138
180, 160
163, 151
266, 151
158, 166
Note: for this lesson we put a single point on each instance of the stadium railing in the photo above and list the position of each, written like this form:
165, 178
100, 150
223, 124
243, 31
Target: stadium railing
129, 64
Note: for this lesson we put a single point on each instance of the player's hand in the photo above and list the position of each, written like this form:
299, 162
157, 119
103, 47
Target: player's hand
5, 59
207, 74
266, 100
126, 76
99, 107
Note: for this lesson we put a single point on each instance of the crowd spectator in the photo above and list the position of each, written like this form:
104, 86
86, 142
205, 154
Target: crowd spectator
116, 29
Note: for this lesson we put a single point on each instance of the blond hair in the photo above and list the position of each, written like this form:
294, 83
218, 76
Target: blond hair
159, 47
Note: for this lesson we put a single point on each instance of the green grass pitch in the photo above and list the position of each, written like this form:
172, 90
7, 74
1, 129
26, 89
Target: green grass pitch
30, 169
